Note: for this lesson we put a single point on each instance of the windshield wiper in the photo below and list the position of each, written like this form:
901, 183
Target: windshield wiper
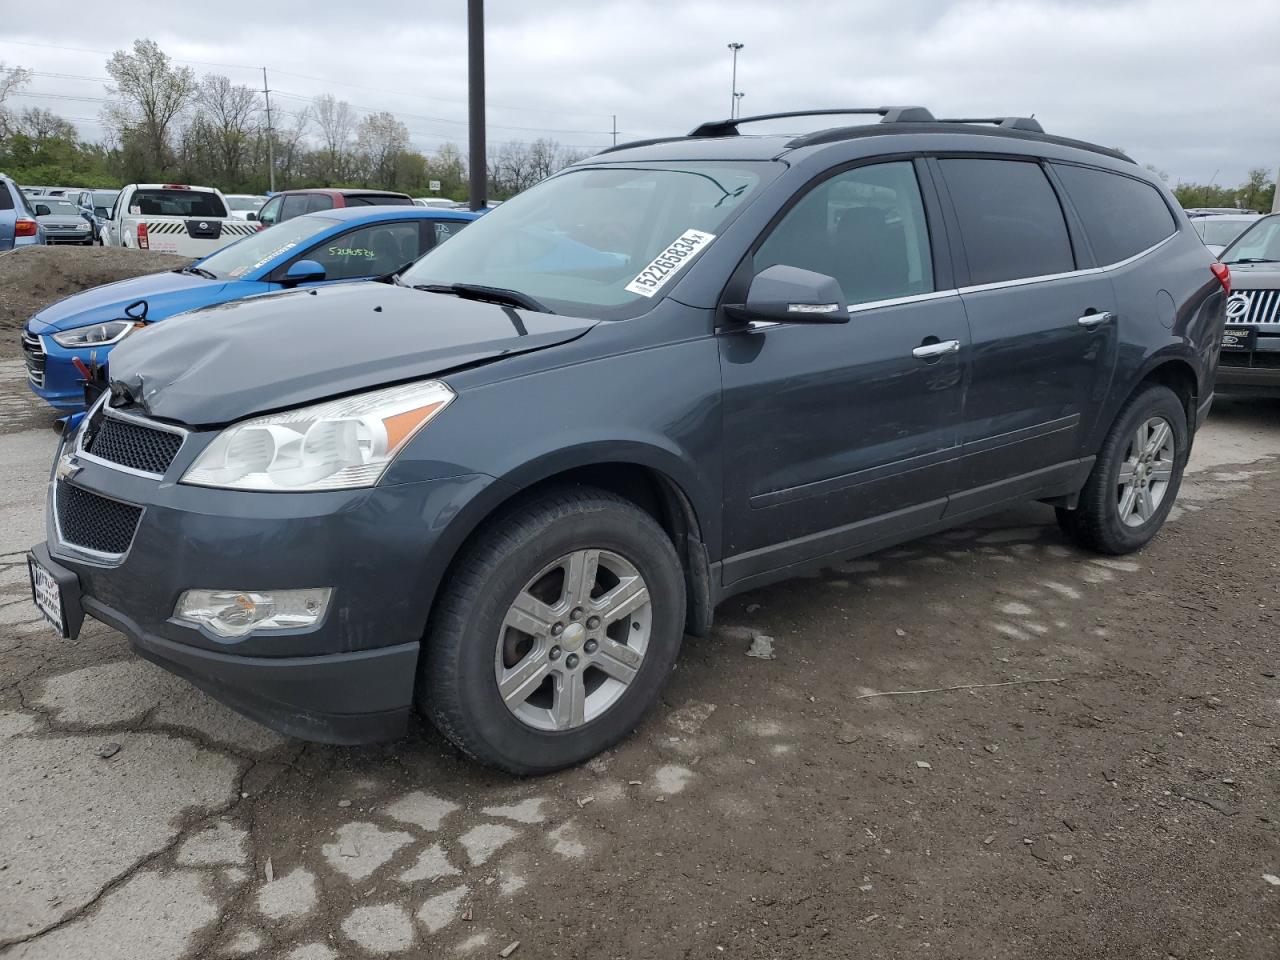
200, 272
1254, 260
478, 291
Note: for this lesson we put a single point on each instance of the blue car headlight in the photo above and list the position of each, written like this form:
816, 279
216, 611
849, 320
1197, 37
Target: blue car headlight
97, 334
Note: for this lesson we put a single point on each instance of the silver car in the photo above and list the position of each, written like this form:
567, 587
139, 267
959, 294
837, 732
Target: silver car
1218, 230
62, 221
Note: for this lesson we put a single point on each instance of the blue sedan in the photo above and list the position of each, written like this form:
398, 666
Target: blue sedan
354, 243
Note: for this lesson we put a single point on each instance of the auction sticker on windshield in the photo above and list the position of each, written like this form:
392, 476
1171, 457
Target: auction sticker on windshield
669, 262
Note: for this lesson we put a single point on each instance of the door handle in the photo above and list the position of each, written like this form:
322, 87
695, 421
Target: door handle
1091, 320
931, 351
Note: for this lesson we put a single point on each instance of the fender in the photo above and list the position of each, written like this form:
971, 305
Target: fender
1182, 351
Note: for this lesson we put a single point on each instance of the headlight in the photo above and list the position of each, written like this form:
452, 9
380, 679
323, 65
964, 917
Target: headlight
97, 335
339, 444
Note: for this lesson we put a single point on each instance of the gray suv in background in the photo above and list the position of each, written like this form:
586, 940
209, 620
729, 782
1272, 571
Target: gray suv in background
1250, 362
501, 486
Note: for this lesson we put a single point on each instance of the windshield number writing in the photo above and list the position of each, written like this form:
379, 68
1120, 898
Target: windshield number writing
669, 262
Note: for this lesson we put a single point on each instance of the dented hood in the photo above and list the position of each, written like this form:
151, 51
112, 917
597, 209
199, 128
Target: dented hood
282, 350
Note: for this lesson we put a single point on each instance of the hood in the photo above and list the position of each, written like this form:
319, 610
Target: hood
165, 293
282, 350
62, 220
1255, 276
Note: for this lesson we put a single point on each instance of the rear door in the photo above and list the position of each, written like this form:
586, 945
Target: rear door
1043, 323
838, 434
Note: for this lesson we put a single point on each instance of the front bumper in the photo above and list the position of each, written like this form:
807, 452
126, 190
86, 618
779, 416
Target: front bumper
350, 678
1249, 380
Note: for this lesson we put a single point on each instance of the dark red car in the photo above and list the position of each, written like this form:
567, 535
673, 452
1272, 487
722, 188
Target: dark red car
294, 203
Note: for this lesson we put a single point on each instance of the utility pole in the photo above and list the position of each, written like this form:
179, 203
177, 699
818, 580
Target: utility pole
615, 129
733, 100
1275, 197
271, 149
475, 103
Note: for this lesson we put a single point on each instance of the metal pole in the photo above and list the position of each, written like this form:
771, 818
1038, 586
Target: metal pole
733, 98
271, 150
615, 129
475, 99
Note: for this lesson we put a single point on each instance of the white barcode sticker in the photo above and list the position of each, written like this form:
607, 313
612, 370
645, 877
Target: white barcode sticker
669, 262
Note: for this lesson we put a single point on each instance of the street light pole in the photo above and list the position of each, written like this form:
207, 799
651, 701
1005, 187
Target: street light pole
733, 100
475, 102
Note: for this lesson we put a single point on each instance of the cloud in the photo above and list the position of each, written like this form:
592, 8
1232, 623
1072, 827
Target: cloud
1149, 76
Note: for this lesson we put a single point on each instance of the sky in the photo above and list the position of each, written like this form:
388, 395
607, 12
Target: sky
1166, 80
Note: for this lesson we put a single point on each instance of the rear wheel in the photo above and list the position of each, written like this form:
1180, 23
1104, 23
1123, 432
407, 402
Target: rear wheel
555, 633
1136, 477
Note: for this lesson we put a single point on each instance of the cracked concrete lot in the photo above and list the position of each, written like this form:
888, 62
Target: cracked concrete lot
1125, 804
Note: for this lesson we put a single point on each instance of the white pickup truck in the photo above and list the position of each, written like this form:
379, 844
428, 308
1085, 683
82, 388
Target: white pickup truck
173, 218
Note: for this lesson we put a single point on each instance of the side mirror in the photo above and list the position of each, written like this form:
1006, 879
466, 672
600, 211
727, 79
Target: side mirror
251, 215
303, 271
783, 294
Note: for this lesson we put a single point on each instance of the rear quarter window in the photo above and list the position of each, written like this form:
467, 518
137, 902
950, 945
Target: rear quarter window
1010, 219
6, 196
377, 200
1122, 216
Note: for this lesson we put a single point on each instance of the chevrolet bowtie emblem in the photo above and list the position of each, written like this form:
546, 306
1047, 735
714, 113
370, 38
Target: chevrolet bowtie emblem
67, 468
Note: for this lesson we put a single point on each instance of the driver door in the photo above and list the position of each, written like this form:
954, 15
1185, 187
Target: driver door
839, 435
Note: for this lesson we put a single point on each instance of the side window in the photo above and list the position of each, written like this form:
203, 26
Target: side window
866, 227
6, 196
319, 201
1122, 216
442, 230
270, 211
368, 251
1010, 219
295, 205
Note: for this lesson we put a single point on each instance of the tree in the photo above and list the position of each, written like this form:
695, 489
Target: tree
336, 123
40, 125
229, 116
12, 79
152, 93
381, 139
1254, 188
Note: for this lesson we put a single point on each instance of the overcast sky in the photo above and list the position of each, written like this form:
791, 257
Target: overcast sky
1173, 82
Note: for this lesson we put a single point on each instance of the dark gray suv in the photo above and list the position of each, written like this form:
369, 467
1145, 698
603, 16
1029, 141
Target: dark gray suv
502, 485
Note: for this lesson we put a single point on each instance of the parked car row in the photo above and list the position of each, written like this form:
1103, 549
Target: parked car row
499, 486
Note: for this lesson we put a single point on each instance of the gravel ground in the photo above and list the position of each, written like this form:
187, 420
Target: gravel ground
31, 278
1088, 767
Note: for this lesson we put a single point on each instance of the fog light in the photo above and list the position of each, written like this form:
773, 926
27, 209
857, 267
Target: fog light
234, 613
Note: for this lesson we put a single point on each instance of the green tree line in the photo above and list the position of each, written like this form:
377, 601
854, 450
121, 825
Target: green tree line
166, 124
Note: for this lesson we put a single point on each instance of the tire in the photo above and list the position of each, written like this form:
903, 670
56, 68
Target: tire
529, 551
1105, 521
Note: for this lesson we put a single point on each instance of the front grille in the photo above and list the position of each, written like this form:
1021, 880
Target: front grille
133, 445
34, 355
1263, 307
92, 522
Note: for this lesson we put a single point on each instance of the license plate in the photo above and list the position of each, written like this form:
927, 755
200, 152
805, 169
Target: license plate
1239, 338
47, 596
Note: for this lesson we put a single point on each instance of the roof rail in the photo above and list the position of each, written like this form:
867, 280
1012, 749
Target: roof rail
729, 128
1009, 123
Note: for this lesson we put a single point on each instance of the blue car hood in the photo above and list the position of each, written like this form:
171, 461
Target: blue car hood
281, 350
165, 293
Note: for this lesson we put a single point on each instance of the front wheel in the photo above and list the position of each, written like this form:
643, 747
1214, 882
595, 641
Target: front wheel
1136, 477
555, 632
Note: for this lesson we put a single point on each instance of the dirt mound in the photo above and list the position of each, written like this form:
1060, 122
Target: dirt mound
31, 278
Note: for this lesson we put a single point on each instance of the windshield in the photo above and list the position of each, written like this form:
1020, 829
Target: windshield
58, 208
105, 198
600, 241
246, 203
1221, 232
176, 203
1260, 242
258, 249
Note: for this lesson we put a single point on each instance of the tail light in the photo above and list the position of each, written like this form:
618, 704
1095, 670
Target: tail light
24, 228
143, 242
1223, 273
